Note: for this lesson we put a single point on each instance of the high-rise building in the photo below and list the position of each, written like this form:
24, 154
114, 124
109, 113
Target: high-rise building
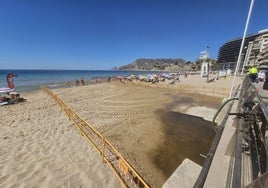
255, 51
261, 50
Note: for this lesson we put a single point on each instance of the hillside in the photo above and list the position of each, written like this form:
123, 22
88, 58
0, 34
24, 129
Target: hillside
157, 65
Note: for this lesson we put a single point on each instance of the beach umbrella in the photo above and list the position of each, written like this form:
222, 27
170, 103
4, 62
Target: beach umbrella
10, 82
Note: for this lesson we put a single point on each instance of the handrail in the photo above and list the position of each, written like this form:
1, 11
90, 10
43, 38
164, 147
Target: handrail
252, 115
124, 172
214, 124
209, 157
250, 140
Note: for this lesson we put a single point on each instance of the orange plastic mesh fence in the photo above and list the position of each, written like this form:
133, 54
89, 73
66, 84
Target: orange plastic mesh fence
124, 172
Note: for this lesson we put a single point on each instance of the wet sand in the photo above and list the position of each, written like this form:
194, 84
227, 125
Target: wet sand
186, 136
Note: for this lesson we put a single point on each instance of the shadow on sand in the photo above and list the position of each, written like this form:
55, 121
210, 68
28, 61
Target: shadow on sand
186, 136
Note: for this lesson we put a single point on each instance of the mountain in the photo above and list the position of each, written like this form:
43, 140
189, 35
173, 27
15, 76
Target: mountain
158, 65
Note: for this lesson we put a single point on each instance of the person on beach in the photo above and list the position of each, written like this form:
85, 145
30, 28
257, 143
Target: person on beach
68, 84
76, 82
82, 82
253, 74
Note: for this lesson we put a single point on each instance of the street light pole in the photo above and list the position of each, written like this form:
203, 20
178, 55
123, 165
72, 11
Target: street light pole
241, 48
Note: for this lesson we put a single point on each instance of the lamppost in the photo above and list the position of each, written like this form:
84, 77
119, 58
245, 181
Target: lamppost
241, 48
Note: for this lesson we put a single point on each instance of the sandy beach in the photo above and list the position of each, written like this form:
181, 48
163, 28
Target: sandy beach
154, 126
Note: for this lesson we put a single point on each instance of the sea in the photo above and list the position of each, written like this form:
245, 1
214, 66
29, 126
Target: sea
30, 80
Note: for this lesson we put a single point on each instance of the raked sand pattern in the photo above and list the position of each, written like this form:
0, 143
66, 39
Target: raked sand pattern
40, 147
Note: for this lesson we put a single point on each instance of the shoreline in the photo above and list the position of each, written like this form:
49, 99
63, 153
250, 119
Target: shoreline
119, 111
28, 80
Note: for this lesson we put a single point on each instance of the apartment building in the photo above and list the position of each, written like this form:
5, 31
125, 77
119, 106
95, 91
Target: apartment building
255, 51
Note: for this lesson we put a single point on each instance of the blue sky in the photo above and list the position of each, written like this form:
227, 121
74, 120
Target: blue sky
100, 34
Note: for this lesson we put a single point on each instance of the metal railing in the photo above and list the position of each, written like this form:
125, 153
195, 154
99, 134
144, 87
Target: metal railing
250, 137
249, 163
124, 172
